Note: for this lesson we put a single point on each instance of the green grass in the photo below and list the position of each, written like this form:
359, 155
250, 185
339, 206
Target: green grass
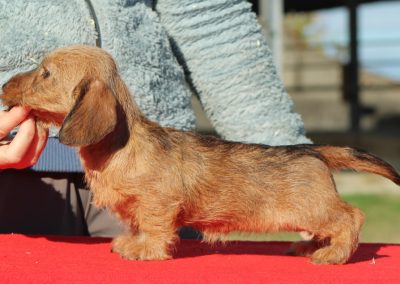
382, 216
382, 220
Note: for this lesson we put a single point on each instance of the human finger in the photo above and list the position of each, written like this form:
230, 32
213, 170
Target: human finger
37, 146
21, 143
11, 119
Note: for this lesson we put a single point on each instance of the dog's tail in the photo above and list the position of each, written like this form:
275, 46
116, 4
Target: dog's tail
349, 158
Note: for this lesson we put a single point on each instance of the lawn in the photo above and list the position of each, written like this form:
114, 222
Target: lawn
382, 220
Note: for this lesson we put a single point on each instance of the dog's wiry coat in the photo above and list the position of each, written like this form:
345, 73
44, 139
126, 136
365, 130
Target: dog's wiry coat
159, 179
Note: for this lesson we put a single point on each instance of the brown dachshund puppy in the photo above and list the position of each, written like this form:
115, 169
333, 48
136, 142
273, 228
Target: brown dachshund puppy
158, 179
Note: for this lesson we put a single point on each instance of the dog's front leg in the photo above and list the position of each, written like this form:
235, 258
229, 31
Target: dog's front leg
152, 237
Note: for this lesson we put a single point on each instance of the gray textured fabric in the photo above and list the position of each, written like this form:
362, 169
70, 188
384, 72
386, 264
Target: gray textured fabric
218, 42
231, 67
130, 31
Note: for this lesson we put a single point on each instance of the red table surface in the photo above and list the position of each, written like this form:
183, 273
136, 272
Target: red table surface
54, 259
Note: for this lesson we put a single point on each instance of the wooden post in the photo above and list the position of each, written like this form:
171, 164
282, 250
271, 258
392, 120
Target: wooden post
353, 85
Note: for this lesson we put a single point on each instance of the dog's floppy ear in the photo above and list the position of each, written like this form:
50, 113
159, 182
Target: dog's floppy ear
93, 116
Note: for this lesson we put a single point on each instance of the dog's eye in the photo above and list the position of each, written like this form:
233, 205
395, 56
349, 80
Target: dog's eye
46, 74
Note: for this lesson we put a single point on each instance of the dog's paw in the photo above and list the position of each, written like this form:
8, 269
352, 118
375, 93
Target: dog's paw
329, 255
137, 248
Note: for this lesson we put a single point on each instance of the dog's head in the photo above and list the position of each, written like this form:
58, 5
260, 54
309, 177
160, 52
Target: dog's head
72, 88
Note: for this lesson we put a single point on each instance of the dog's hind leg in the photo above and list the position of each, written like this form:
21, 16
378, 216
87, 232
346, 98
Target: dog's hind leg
335, 235
343, 237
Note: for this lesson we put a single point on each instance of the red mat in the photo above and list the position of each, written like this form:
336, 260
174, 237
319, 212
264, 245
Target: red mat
29, 259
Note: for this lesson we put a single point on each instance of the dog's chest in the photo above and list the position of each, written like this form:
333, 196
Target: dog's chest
103, 188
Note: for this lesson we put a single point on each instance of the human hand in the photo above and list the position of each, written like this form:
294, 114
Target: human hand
25, 149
